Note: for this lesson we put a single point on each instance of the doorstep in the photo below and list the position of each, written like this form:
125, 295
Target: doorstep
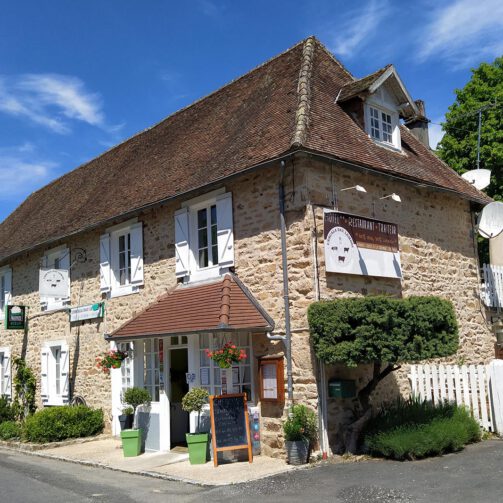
173, 465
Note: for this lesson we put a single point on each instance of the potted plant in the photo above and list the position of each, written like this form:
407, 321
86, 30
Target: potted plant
126, 418
300, 433
227, 355
197, 442
131, 438
111, 360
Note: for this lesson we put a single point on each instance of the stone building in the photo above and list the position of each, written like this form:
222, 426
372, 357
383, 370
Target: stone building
178, 233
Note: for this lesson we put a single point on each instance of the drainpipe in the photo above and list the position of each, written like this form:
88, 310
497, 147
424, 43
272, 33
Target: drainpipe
288, 341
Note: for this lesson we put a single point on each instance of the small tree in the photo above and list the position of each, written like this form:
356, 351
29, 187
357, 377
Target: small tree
25, 385
135, 397
194, 401
384, 332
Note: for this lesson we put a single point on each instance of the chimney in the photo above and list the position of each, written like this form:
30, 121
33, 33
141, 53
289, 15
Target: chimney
418, 125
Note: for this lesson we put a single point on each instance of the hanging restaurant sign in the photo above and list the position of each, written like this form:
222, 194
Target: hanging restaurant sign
89, 312
360, 245
54, 283
15, 317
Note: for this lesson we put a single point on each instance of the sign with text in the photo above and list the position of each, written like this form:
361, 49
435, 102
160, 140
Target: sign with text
54, 283
15, 317
230, 425
87, 312
360, 245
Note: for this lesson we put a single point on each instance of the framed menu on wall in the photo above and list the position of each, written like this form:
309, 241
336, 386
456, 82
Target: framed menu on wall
272, 380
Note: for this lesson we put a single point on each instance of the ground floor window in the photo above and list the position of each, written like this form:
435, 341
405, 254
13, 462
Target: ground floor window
5, 372
55, 373
210, 375
153, 366
126, 368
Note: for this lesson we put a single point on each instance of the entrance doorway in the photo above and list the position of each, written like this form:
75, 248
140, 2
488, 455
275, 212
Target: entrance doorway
179, 419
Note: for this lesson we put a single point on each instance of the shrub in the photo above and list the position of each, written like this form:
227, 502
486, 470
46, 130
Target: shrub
6, 410
58, 423
194, 401
414, 429
301, 424
136, 396
10, 429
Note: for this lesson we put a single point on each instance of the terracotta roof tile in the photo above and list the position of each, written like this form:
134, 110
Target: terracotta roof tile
225, 304
286, 103
358, 86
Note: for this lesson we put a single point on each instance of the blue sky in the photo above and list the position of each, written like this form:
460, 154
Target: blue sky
76, 78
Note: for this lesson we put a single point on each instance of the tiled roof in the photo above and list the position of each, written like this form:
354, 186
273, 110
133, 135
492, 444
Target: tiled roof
356, 87
285, 104
225, 304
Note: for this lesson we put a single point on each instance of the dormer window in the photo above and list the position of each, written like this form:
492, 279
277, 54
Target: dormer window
382, 126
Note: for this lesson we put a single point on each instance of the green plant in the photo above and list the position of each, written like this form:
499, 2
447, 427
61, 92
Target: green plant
194, 401
6, 411
127, 411
25, 385
227, 355
58, 423
415, 441
383, 332
301, 424
10, 429
135, 397
111, 360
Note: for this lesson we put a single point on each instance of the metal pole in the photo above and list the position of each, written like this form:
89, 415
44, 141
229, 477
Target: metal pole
478, 139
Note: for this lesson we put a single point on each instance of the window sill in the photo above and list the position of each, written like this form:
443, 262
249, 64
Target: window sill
55, 307
388, 146
123, 290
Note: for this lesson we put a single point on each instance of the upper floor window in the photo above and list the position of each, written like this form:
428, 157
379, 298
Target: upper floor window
383, 126
5, 289
57, 259
204, 239
121, 259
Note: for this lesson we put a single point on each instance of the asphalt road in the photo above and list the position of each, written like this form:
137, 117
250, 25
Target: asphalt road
474, 475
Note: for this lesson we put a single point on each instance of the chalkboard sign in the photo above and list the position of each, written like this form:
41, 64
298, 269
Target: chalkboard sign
229, 424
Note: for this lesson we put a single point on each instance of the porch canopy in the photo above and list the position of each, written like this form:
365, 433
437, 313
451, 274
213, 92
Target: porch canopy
221, 305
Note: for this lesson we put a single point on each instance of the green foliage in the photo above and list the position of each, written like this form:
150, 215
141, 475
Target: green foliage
127, 411
25, 385
414, 430
301, 424
136, 396
6, 411
382, 329
458, 147
9, 430
195, 400
58, 423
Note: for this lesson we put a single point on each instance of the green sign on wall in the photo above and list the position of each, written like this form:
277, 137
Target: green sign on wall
15, 317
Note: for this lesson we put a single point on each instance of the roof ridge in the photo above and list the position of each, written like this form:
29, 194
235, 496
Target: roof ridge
304, 94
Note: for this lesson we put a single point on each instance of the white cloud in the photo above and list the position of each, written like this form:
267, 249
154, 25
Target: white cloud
358, 27
435, 132
463, 32
51, 100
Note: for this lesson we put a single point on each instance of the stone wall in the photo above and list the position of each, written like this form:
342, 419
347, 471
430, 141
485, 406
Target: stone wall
437, 253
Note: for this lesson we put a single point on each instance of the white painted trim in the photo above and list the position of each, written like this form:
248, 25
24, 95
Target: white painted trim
121, 226
52, 398
204, 198
395, 121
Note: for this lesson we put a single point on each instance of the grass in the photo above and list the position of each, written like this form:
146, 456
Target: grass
412, 429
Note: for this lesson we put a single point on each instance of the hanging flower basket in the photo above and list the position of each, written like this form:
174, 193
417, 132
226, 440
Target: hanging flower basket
111, 360
227, 355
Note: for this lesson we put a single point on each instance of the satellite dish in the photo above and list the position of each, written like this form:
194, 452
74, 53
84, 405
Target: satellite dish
490, 222
479, 178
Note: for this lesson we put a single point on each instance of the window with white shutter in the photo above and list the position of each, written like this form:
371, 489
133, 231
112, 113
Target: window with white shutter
5, 289
58, 259
121, 259
5, 373
55, 373
204, 237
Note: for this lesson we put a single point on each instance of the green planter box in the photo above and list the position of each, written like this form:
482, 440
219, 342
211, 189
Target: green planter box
131, 442
342, 388
198, 447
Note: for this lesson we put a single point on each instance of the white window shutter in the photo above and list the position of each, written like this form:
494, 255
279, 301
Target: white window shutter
43, 299
182, 250
105, 269
225, 234
7, 370
8, 285
64, 263
44, 378
137, 254
65, 373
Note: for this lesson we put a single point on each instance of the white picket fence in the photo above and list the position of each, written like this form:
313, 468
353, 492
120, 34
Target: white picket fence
477, 387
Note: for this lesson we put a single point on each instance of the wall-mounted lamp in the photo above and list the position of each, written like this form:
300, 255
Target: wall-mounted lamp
358, 188
393, 196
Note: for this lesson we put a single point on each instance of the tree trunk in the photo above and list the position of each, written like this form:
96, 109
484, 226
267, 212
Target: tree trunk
354, 430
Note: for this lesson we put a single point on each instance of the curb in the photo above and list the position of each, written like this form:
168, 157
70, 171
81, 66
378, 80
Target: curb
143, 473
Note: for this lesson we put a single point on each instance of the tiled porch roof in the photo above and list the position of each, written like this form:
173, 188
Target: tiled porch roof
225, 304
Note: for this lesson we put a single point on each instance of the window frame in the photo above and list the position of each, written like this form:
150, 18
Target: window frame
5, 295
395, 144
54, 398
5, 356
53, 256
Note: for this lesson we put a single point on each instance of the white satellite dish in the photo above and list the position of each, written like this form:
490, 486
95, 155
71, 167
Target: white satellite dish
490, 222
479, 178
